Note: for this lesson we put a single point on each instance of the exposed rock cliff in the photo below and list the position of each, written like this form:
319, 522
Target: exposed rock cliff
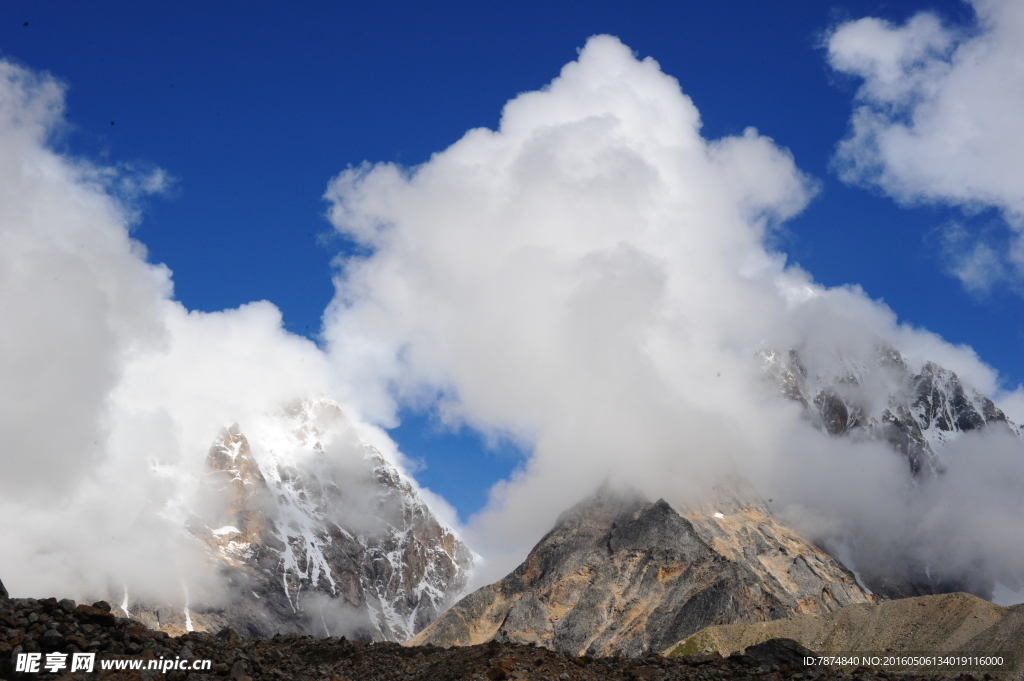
880, 397
321, 536
624, 575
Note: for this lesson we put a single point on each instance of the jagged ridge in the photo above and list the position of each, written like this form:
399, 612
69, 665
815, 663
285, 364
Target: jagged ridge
619, 574
322, 536
879, 397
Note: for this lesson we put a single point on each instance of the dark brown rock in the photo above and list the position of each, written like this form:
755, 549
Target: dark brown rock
780, 651
506, 664
51, 640
238, 670
305, 658
228, 634
701, 659
77, 640
88, 614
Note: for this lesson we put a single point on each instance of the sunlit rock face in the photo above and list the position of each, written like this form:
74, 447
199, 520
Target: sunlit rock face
620, 574
314, 531
879, 397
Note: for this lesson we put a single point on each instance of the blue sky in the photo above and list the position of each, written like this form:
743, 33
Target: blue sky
253, 108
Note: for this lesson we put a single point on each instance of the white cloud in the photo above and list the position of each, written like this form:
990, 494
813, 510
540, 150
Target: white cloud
940, 117
76, 294
112, 392
975, 261
591, 279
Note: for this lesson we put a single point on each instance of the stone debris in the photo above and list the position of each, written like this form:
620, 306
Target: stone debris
49, 625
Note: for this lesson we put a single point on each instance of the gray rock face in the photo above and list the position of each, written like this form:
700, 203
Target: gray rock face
622, 575
880, 398
3, 591
306, 544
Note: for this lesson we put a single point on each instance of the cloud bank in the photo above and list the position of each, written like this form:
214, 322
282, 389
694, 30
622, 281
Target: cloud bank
112, 392
591, 279
940, 118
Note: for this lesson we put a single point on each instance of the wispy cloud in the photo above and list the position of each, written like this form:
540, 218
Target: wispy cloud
940, 118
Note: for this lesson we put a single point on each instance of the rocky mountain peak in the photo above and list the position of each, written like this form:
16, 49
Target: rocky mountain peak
234, 497
621, 574
880, 397
314, 531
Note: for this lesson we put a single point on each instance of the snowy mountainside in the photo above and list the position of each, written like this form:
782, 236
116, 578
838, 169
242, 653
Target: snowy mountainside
880, 397
315, 531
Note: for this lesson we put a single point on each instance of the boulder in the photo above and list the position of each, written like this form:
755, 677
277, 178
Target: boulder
87, 614
780, 651
51, 640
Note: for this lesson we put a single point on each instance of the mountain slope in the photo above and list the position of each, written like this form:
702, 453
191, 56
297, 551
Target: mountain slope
619, 574
955, 623
314, 531
880, 397
877, 395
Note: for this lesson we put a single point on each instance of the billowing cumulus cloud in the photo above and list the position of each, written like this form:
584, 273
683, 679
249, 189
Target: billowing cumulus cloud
591, 279
940, 118
76, 294
111, 393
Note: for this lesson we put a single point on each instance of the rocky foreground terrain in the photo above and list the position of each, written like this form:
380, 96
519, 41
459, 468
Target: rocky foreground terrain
49, 625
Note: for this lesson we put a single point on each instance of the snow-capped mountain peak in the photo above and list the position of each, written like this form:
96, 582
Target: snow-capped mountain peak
315, 531
879, 396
